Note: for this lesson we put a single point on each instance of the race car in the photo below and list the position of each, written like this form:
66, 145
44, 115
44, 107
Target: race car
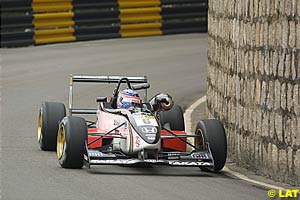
128, 130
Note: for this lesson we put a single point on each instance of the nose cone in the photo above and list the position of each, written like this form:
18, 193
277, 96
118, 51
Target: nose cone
146, 126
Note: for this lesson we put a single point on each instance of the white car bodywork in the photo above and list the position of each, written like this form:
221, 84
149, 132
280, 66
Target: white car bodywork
133, 142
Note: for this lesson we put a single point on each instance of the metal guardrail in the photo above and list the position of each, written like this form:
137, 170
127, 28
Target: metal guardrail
96, 19
16, 23
34, 22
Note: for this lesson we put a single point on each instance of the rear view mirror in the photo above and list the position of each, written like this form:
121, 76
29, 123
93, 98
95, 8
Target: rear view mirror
101, 99
140, 86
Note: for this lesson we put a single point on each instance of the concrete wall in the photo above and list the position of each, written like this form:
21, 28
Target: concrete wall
254, 81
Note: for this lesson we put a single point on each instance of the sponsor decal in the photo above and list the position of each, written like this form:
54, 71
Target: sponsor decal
149, 116
137, 115
284, 194
153, 161
149, 129
200, 156
95, 154
146, 121
186, 163
137, 141
118, 123
114, 161
151, 137
173, 156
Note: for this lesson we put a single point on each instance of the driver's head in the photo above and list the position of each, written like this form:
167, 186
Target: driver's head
127, 99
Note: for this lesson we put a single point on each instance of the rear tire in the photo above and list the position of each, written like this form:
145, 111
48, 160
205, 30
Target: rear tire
212, 132
50, 114
71, 138
174, 117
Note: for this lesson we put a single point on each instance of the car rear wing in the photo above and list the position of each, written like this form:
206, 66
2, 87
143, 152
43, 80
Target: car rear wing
106, 79
97, 79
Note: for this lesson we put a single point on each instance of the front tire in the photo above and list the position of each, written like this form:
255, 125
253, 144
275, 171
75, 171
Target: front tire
212, 132
50, 114
174, 118
71, 138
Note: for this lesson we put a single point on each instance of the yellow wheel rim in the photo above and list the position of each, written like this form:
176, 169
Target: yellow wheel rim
199, 141
40, 126
61, 141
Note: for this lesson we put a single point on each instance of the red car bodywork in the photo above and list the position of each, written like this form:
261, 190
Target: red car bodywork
174, 144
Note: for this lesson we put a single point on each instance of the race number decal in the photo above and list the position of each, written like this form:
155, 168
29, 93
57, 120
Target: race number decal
142, 120
146, 121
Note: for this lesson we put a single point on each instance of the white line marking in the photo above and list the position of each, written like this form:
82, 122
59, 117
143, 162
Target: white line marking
245, 178
188, 128
188, 119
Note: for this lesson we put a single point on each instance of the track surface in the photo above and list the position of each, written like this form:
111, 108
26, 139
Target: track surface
173, 64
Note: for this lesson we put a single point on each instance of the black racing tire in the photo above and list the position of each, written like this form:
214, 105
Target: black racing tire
213, 132
174, 117
50, 115
71, 139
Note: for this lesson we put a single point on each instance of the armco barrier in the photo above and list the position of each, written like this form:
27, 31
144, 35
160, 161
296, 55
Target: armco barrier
53, 21
33, 22
140, 18
16, 23
184, 16
96, 19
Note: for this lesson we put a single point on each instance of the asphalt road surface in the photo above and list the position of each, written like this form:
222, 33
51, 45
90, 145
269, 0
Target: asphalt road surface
173, 64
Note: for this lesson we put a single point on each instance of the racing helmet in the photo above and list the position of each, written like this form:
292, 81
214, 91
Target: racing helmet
127, 99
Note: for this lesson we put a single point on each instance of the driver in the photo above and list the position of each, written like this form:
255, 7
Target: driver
127, 99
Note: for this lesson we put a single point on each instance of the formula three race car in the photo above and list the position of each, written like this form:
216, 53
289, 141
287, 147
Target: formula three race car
128, 130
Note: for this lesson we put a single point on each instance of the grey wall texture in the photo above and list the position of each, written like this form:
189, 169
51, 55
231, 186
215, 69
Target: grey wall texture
254, 81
